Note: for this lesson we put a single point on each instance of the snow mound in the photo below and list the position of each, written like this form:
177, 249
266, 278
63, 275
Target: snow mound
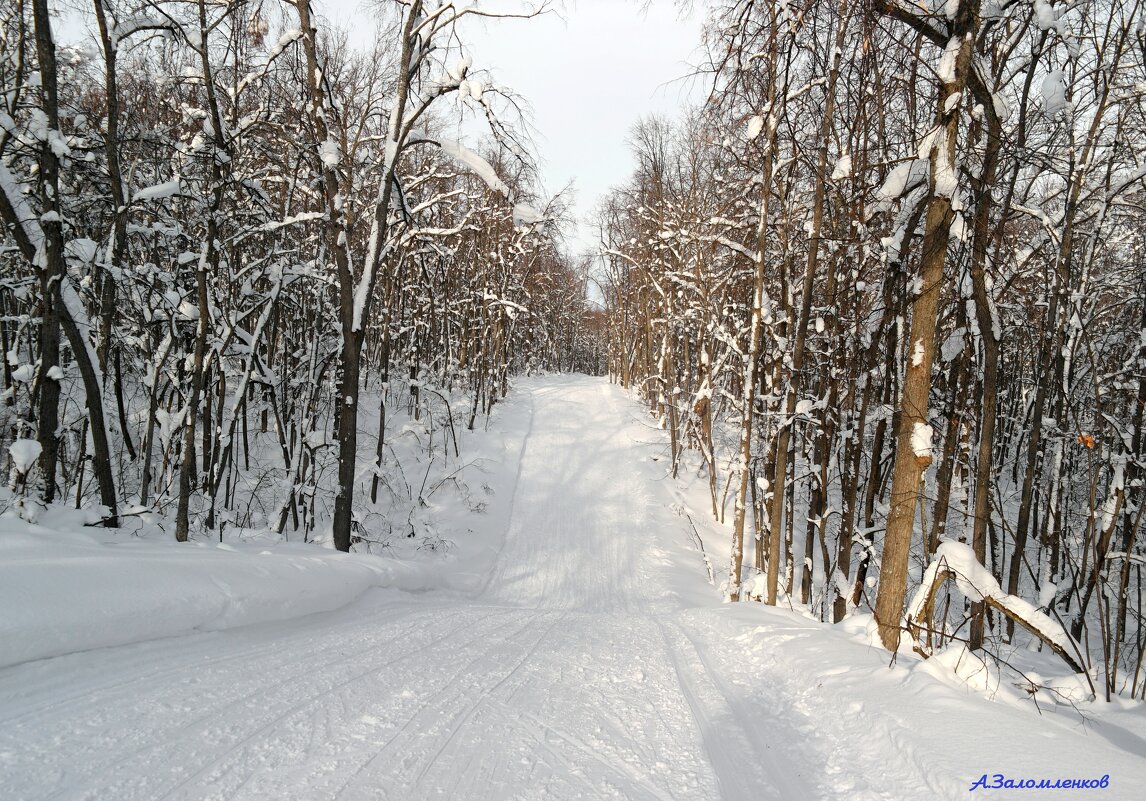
64, 591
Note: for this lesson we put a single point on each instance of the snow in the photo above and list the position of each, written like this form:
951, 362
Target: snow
1054, 93
286, 40
954, 345
24, 373
135, 23
843, 168
976, 583
83, 250
946, 69
330, 153
459, 70
524, 214
158, 192
904, 177
917, 353
470, 88
573, 649
959, 230
921, 435
77, 592
755, 126
946, 181
19, 203
58, 144
476, 164
24, 453
1045, 16
75, 309
1002, 109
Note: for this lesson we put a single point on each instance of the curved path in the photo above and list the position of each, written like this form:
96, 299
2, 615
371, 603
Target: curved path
568, 676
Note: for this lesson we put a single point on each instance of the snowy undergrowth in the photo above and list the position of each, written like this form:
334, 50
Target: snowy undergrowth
68, 586
1017, 663
1013, 710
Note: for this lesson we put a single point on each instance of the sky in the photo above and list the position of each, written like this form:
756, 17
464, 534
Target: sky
589, 72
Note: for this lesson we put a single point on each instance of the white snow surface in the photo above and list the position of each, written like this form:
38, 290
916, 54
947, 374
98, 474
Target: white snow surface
583, 655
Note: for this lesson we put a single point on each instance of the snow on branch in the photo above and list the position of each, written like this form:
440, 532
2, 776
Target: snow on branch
22, 216
475, 163
956, 561
159, 191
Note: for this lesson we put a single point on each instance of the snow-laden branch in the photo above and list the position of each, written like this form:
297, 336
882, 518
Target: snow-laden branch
472, 161
956, 561
29, 235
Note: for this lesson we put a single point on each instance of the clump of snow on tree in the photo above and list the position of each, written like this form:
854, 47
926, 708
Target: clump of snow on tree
524, 214
1054, 93
755, 126
976, 583
159, 191
921, 435
24, 453
330, 153
843, 167
479, 166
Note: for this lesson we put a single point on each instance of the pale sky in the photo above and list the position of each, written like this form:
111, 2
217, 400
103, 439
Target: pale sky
589, 72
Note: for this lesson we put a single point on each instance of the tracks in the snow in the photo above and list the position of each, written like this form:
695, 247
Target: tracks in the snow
565, 677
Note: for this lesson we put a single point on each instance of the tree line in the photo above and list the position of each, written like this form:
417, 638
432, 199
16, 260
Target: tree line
887, 283
225, 230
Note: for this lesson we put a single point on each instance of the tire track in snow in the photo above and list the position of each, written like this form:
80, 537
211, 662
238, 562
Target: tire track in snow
483, 697
442, 698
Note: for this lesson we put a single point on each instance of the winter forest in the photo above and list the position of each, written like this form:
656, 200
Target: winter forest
888, 284
880, 299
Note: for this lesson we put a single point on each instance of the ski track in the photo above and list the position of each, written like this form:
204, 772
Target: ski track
565, 677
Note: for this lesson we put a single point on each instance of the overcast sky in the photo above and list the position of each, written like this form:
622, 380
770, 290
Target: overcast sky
589, 74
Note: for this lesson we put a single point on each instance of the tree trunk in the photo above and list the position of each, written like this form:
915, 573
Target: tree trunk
912, 437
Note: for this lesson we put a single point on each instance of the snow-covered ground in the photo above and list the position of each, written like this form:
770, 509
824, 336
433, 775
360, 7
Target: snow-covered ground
569, 647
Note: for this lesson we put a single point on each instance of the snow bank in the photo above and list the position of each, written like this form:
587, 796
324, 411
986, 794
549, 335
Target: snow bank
65, 587
63, 591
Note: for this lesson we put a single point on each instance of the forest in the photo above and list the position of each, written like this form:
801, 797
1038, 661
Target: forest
883, 289
888, 284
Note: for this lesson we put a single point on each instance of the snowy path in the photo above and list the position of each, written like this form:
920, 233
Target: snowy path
595, 663
564, 678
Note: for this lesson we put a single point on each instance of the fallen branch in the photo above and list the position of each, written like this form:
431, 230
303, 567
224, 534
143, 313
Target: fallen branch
956, 561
